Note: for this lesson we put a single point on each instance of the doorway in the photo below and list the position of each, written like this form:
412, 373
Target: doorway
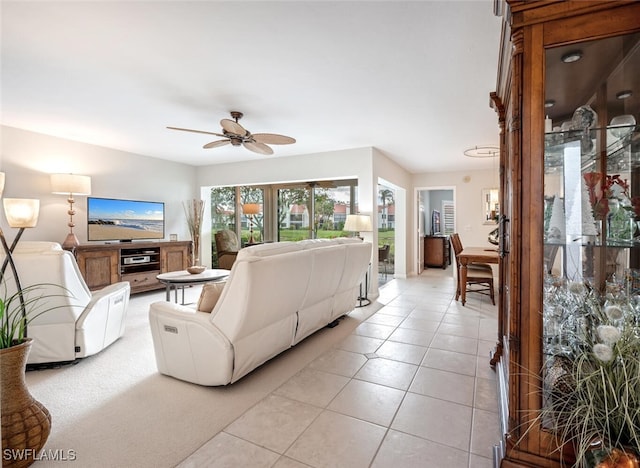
436, 216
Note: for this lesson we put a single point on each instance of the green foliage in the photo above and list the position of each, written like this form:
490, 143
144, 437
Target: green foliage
592, 393
15, 315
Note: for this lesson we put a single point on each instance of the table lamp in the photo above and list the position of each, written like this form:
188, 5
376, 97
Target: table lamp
70, 185
358, 223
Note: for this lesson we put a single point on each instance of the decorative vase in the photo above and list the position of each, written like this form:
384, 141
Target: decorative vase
26, 423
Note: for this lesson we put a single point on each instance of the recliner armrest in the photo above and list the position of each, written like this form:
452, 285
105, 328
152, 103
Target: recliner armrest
189, 346
103, 294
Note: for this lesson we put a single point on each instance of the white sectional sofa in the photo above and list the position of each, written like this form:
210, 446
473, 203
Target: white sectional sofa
275, 296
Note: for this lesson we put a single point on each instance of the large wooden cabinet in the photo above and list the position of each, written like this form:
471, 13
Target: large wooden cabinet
557, 57
138, 263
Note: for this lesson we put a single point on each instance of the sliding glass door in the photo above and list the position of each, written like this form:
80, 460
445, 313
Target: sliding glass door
285, 212
315, 210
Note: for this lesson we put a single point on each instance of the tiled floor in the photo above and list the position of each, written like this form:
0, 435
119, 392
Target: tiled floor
411, 387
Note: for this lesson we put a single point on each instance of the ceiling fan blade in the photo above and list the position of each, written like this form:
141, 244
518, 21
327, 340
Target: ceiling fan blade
257, 147
273, 139
196, 131
233, 127
217, 143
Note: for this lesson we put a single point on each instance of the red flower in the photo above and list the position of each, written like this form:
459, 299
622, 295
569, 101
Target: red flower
600, 189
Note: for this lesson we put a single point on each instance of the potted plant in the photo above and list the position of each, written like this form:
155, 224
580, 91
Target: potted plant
26, 423
194, 211
591, 383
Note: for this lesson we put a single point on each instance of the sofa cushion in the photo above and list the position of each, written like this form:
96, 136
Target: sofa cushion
209, 296
314, 243
349, 240
267, 250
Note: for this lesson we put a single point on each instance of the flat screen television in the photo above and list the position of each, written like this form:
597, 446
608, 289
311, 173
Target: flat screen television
111, 219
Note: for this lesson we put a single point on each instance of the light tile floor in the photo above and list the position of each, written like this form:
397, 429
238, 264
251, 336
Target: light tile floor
411, 387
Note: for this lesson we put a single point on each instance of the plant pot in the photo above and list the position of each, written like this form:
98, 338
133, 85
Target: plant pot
26, 423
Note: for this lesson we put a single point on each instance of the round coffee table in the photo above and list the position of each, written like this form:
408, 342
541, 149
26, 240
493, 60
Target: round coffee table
180, 279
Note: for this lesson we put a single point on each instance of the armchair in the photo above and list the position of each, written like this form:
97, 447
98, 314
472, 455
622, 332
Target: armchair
79, 323
227, 246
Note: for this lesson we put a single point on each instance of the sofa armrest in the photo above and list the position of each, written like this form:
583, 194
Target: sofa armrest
188, 346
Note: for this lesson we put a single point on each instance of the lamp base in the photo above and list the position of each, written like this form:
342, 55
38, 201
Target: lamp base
71, 242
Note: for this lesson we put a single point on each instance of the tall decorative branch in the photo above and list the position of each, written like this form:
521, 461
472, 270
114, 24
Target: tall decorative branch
194, 210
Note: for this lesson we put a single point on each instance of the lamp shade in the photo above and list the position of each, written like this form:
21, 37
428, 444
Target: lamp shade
358, 223
66, 184
21, 212
251, 208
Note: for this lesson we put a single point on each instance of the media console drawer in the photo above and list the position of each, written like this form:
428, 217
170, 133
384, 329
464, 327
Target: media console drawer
143, 281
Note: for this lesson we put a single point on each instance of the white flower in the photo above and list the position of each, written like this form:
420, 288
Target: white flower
603, 352
608, 334
577, 288
614, 312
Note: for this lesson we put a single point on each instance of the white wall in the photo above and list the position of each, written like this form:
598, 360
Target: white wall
469, 214
390, 174
28, 158
364, 164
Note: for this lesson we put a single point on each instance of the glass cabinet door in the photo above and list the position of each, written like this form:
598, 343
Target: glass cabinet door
591, 296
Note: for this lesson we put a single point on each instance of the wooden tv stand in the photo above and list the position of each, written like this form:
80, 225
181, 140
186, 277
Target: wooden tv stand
136, 262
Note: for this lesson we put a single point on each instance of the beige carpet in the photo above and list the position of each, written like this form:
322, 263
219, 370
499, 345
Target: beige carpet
115, 410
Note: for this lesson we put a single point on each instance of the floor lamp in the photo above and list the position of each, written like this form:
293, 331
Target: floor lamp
250, 210
70, 185
21, 213
358, 223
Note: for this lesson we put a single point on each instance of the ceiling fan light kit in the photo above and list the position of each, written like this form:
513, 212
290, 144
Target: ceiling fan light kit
237, 135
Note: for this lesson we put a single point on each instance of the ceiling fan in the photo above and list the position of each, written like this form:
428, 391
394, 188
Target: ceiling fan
237, 135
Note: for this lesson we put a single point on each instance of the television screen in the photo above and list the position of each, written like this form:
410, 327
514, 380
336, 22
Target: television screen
113, 219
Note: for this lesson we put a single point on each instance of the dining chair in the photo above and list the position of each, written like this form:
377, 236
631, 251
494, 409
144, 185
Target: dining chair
383, 257
479, 275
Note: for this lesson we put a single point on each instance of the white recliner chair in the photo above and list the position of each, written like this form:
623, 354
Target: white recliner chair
77, 322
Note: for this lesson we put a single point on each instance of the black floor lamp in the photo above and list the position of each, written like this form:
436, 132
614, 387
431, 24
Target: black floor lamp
21, 213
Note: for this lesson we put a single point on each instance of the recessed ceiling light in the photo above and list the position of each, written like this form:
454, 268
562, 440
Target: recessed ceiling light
572, 56
549, 103
624, 94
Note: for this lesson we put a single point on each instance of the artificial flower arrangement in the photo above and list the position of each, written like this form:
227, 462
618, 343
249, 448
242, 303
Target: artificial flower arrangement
602, 189
591, 382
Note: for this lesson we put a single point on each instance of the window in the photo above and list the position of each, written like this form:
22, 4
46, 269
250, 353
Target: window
287, 212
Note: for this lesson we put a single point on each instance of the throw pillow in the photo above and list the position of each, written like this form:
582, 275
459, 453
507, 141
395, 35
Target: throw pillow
209, 296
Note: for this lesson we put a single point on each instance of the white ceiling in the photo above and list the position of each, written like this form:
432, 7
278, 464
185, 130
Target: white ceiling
411, 79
